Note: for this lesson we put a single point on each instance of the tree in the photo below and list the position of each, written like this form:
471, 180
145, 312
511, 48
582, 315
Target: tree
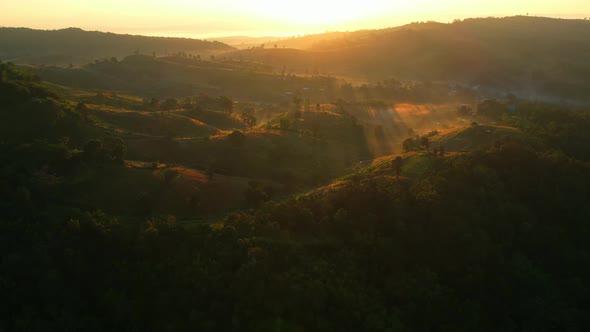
93, 150
170, 175
236, 137
297, 102
396, 164
409, 144
284, 124
226, 104
83, 110
115, 149
424, 142
193, 200
170, 104
249, 119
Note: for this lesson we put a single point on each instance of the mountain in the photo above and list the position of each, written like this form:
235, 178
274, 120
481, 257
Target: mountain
76, 46
532, 56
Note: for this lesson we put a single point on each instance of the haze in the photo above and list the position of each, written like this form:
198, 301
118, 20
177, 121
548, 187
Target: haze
262, 17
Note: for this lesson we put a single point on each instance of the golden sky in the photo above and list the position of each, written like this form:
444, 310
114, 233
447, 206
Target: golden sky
262, 17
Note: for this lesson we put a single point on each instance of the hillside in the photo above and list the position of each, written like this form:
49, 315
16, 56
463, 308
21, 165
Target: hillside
498, 54
76, 46
179, 77
287, 206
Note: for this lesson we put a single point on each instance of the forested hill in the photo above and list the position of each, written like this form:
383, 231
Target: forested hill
59, 47
485, 29
532, 56
490, 238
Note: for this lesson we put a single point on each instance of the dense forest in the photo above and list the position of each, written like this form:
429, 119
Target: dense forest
184, 193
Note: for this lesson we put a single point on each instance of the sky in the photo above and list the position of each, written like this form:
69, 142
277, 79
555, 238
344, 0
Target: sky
217, 18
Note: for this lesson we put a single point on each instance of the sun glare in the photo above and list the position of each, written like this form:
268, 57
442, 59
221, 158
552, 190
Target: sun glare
310, 13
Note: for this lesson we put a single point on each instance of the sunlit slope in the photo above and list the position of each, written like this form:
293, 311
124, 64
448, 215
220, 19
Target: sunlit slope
163, 124
387, 125
415, 164
471, 137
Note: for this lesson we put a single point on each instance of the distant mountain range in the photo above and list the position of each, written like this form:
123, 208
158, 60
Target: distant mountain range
528, 54
242, 42
72, 45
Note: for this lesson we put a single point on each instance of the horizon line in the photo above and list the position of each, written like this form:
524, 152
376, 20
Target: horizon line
247, 33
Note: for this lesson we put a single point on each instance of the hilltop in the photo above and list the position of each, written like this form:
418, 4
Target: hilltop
76, 46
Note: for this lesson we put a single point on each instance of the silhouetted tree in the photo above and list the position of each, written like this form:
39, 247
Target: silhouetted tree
236, 137
297, 102
409, 144
225, 104
284, 124
396, 164
249, 119
115, 149
170, 104
93, 150
424, 142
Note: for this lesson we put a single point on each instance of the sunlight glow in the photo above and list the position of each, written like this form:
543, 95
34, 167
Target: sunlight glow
198, 18
311, 12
